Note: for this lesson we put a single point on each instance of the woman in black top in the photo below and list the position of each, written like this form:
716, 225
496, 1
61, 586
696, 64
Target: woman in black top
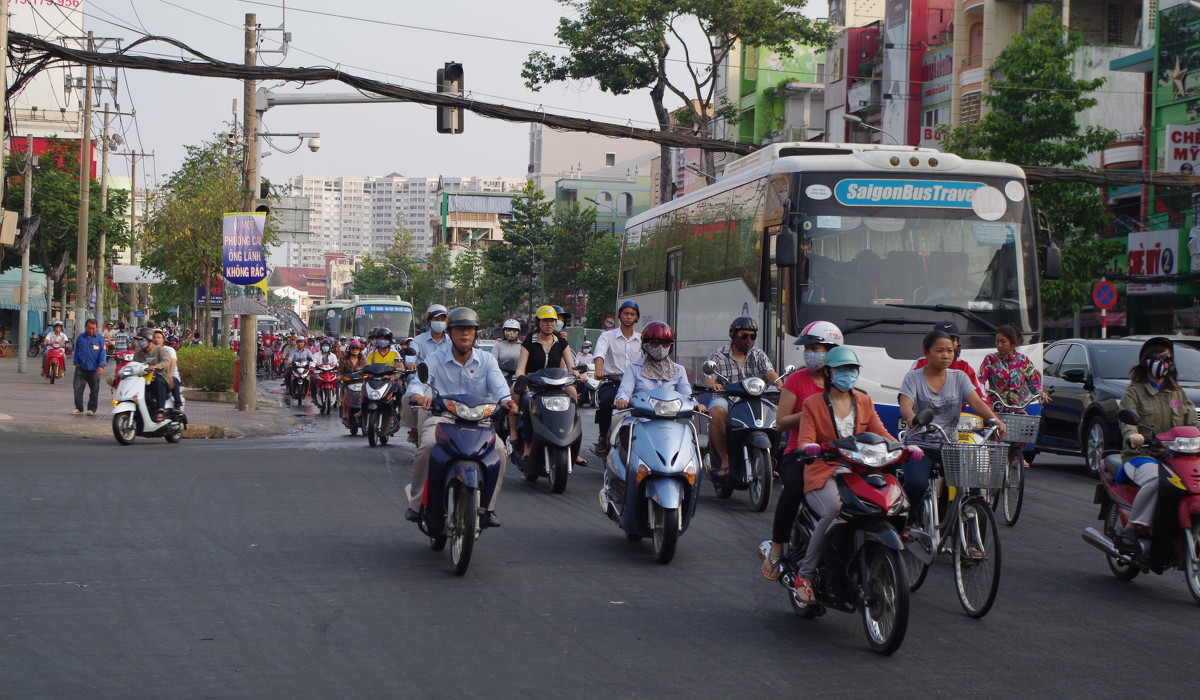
541, 349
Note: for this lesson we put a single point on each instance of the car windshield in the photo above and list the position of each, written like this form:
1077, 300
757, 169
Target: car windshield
1114, 360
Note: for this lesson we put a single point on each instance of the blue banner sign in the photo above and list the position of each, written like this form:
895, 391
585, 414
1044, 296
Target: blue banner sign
242, 243
907, 193
381, 309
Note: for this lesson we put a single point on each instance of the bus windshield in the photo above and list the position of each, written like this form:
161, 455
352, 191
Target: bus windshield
397, 319
862, 261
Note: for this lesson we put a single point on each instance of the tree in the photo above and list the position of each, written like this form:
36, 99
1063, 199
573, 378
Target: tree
182, 237
56, 201
624, 46
528, 237
572, 232
1033, 104
598, 278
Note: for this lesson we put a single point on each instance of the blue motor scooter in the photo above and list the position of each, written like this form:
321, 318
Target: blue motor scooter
652, 474
464, 470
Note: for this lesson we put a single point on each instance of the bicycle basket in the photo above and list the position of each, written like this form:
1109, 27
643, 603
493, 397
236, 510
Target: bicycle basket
1022, 429
974, 466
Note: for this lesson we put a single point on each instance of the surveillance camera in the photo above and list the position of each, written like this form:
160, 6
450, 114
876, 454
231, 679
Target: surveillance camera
314, 144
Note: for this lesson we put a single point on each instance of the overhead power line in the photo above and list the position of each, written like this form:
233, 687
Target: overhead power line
39, 53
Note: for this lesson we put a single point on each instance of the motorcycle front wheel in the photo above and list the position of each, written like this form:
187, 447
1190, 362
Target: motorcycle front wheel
463, 504
124, 428
368, 419
559, 466
885, 612
760, 479
665, 524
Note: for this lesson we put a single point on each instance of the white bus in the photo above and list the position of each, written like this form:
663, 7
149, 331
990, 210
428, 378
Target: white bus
870, 237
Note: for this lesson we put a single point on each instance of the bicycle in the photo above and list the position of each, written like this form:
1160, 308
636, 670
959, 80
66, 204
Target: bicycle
967, 530
1022, 430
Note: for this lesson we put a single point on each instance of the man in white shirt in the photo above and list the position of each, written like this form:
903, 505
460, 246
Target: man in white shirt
615, 349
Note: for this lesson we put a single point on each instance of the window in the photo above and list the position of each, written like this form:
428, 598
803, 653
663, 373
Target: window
1115, 30
610, 159
1076, 359
624, 204
1052, 357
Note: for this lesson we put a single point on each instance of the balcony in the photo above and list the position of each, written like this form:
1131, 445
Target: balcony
1124, 152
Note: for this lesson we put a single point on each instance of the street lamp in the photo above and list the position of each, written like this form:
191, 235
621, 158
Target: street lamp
696, 169
394, 268
612, 225
858, 120
532, 264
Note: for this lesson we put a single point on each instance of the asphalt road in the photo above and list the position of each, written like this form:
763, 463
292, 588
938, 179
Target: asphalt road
282, 567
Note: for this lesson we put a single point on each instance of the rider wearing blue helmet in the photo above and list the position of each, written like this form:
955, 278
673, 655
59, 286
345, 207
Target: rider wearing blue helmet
615, 349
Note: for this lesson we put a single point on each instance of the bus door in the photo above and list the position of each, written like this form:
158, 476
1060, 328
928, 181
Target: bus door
674, 274
775, 299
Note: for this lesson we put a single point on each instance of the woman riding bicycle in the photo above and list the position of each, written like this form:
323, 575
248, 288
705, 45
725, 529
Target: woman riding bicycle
943, 390
1008, 373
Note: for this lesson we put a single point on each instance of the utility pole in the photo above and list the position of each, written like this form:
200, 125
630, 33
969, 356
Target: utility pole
85, 181
133, 288
4, 78
101, 275
23, 321
247, 322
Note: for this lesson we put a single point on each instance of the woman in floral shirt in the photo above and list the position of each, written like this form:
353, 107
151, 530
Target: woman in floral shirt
1008, 373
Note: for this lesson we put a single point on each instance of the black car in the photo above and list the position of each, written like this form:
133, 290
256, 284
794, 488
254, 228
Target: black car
1087, 378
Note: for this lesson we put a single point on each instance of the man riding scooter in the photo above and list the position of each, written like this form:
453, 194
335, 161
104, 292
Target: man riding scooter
157, 358
736, 361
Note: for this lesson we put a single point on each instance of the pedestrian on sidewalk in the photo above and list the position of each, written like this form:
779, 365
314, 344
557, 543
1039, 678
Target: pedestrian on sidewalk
90, 359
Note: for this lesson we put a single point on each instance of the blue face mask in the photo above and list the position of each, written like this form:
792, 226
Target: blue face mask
844, 378
438, 326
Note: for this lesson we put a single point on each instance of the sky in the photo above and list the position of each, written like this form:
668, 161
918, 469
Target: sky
365, 38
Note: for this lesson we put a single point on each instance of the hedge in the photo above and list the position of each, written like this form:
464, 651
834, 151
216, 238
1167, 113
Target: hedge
206, 369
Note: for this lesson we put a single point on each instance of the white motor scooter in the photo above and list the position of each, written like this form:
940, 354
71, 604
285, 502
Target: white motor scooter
131, 414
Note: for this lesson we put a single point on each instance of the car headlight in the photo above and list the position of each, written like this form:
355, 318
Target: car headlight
472, 413
754, 386
666, 408
1189, 445
872, 455
556, 403
969, 422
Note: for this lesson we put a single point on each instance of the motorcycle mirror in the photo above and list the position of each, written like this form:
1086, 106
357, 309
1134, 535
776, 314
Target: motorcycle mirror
709, 367
923, 418
408, 351
789, 369
581, 368
521, 383
1128, 417
423, 373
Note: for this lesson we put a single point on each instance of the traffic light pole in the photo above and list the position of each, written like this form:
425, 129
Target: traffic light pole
248, 341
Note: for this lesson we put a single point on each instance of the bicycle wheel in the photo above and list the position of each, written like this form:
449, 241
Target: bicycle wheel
976, 557
915, 570
1009, 497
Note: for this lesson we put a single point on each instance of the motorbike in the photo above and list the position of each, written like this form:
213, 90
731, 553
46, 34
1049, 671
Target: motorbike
589, 387
352, 385
380, 393
325, 393
861, 568
557, 431
464, 471
1174, 541
123, 358
55, 363
750, 438
652, 471
35, 345
500, 418
298, 380
131, 413
277, 363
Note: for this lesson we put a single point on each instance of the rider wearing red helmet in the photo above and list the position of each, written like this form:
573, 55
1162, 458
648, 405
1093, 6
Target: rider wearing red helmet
655, 369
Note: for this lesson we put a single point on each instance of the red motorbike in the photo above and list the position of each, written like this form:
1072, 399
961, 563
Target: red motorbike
123, 358
55, 363
277, 362
861, 568
1174, 541
326, 390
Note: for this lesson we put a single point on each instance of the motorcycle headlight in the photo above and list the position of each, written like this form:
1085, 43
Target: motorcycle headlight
356, 386
472, 413
754, 386
1189, 445
125, 372
969, 422
556, 403
667, 408
375, 394
872, 455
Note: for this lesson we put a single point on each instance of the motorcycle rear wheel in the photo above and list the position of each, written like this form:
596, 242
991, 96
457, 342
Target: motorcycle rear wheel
760, 479
559, 468
124, 428
463, 503
976, 578
175, 434
886, 620
665, 524
1112, 525
1191, 564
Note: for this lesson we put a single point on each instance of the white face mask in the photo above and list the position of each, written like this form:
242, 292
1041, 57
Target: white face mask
658, 352
558, 326
814, 360
438, 326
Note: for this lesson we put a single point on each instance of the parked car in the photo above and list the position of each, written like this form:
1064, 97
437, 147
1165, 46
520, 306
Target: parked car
1086, 378
1192, 341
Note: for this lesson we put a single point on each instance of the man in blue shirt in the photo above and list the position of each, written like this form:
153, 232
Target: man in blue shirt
458, 368
90, 360
425, 344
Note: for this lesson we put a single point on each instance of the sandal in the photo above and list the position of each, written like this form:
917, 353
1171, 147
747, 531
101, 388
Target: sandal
580, 462
770, 567
804, 591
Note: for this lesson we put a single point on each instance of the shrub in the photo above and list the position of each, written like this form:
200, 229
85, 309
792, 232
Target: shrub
206, 369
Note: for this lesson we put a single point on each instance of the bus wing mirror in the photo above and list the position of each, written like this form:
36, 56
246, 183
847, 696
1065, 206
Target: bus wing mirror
785, 248
1051, 261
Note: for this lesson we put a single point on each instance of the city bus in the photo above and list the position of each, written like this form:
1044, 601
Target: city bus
883, 241
326, 319
366, 311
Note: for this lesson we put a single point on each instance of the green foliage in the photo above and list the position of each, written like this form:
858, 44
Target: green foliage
598, 278
1033, 105
206, 369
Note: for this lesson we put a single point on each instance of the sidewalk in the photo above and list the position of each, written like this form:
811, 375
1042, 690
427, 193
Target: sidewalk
30, 404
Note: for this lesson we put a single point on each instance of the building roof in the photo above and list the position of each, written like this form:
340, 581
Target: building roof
305, 279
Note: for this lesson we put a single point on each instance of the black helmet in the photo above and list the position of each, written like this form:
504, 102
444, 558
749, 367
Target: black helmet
560, 311
462, 317
146, 334
382, 332
742, 323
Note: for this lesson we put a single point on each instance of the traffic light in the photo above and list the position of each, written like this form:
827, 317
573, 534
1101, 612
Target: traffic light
450, 81
263, 203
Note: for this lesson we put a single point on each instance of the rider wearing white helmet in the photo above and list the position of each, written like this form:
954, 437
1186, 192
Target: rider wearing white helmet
425, 344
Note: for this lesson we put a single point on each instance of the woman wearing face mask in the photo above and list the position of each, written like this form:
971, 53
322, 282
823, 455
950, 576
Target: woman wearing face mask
818, 339
655, 369
381, 339
543, 348
507, 351
1154, 395
838, 411
353, 360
